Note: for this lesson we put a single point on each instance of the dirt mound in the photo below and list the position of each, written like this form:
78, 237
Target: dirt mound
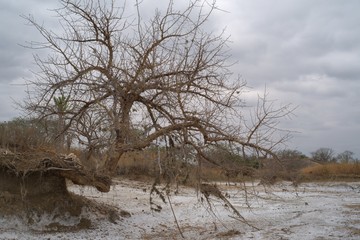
33, 190
56, 213
41, 202
67, 166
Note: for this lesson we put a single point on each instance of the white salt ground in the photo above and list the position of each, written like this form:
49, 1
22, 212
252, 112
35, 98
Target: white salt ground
309, 211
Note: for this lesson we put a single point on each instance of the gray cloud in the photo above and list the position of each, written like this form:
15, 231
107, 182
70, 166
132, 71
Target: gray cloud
307, 53
278, 40
15, 60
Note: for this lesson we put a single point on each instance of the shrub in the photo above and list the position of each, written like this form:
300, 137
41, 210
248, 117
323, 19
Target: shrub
27, 134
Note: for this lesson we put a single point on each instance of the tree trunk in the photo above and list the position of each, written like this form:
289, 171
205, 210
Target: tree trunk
122, 131
61, 134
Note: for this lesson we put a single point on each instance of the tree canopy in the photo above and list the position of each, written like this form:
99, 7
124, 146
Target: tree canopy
166, 77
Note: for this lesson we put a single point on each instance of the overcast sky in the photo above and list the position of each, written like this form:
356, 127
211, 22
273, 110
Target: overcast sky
305, 52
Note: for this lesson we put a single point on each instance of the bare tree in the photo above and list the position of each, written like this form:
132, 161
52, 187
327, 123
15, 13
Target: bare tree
166, 75
345, 157
323, 155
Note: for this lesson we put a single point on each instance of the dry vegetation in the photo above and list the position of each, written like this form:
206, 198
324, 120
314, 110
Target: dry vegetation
21, 135
332, 171
150, 164
144, 164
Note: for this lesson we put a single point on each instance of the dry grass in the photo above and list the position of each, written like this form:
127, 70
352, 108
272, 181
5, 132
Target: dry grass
332, 171
212, 174
138, 163
145, 164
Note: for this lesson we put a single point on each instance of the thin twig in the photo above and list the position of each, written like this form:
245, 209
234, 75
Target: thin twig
176, 221
246, 222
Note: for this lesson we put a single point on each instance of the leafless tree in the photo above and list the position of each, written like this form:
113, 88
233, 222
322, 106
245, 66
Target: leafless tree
167, 75
323, 155
345, 157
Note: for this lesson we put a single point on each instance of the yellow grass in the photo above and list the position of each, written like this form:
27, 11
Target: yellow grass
138, 163
332, 170
146, 163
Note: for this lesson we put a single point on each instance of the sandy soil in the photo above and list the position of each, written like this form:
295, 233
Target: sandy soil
309, 211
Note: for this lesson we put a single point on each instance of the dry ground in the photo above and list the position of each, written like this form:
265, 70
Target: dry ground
327, 210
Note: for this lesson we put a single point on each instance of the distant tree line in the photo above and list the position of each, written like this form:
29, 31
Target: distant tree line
321, 155
324, 155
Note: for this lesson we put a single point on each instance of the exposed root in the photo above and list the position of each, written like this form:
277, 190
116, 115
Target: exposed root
212, 190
